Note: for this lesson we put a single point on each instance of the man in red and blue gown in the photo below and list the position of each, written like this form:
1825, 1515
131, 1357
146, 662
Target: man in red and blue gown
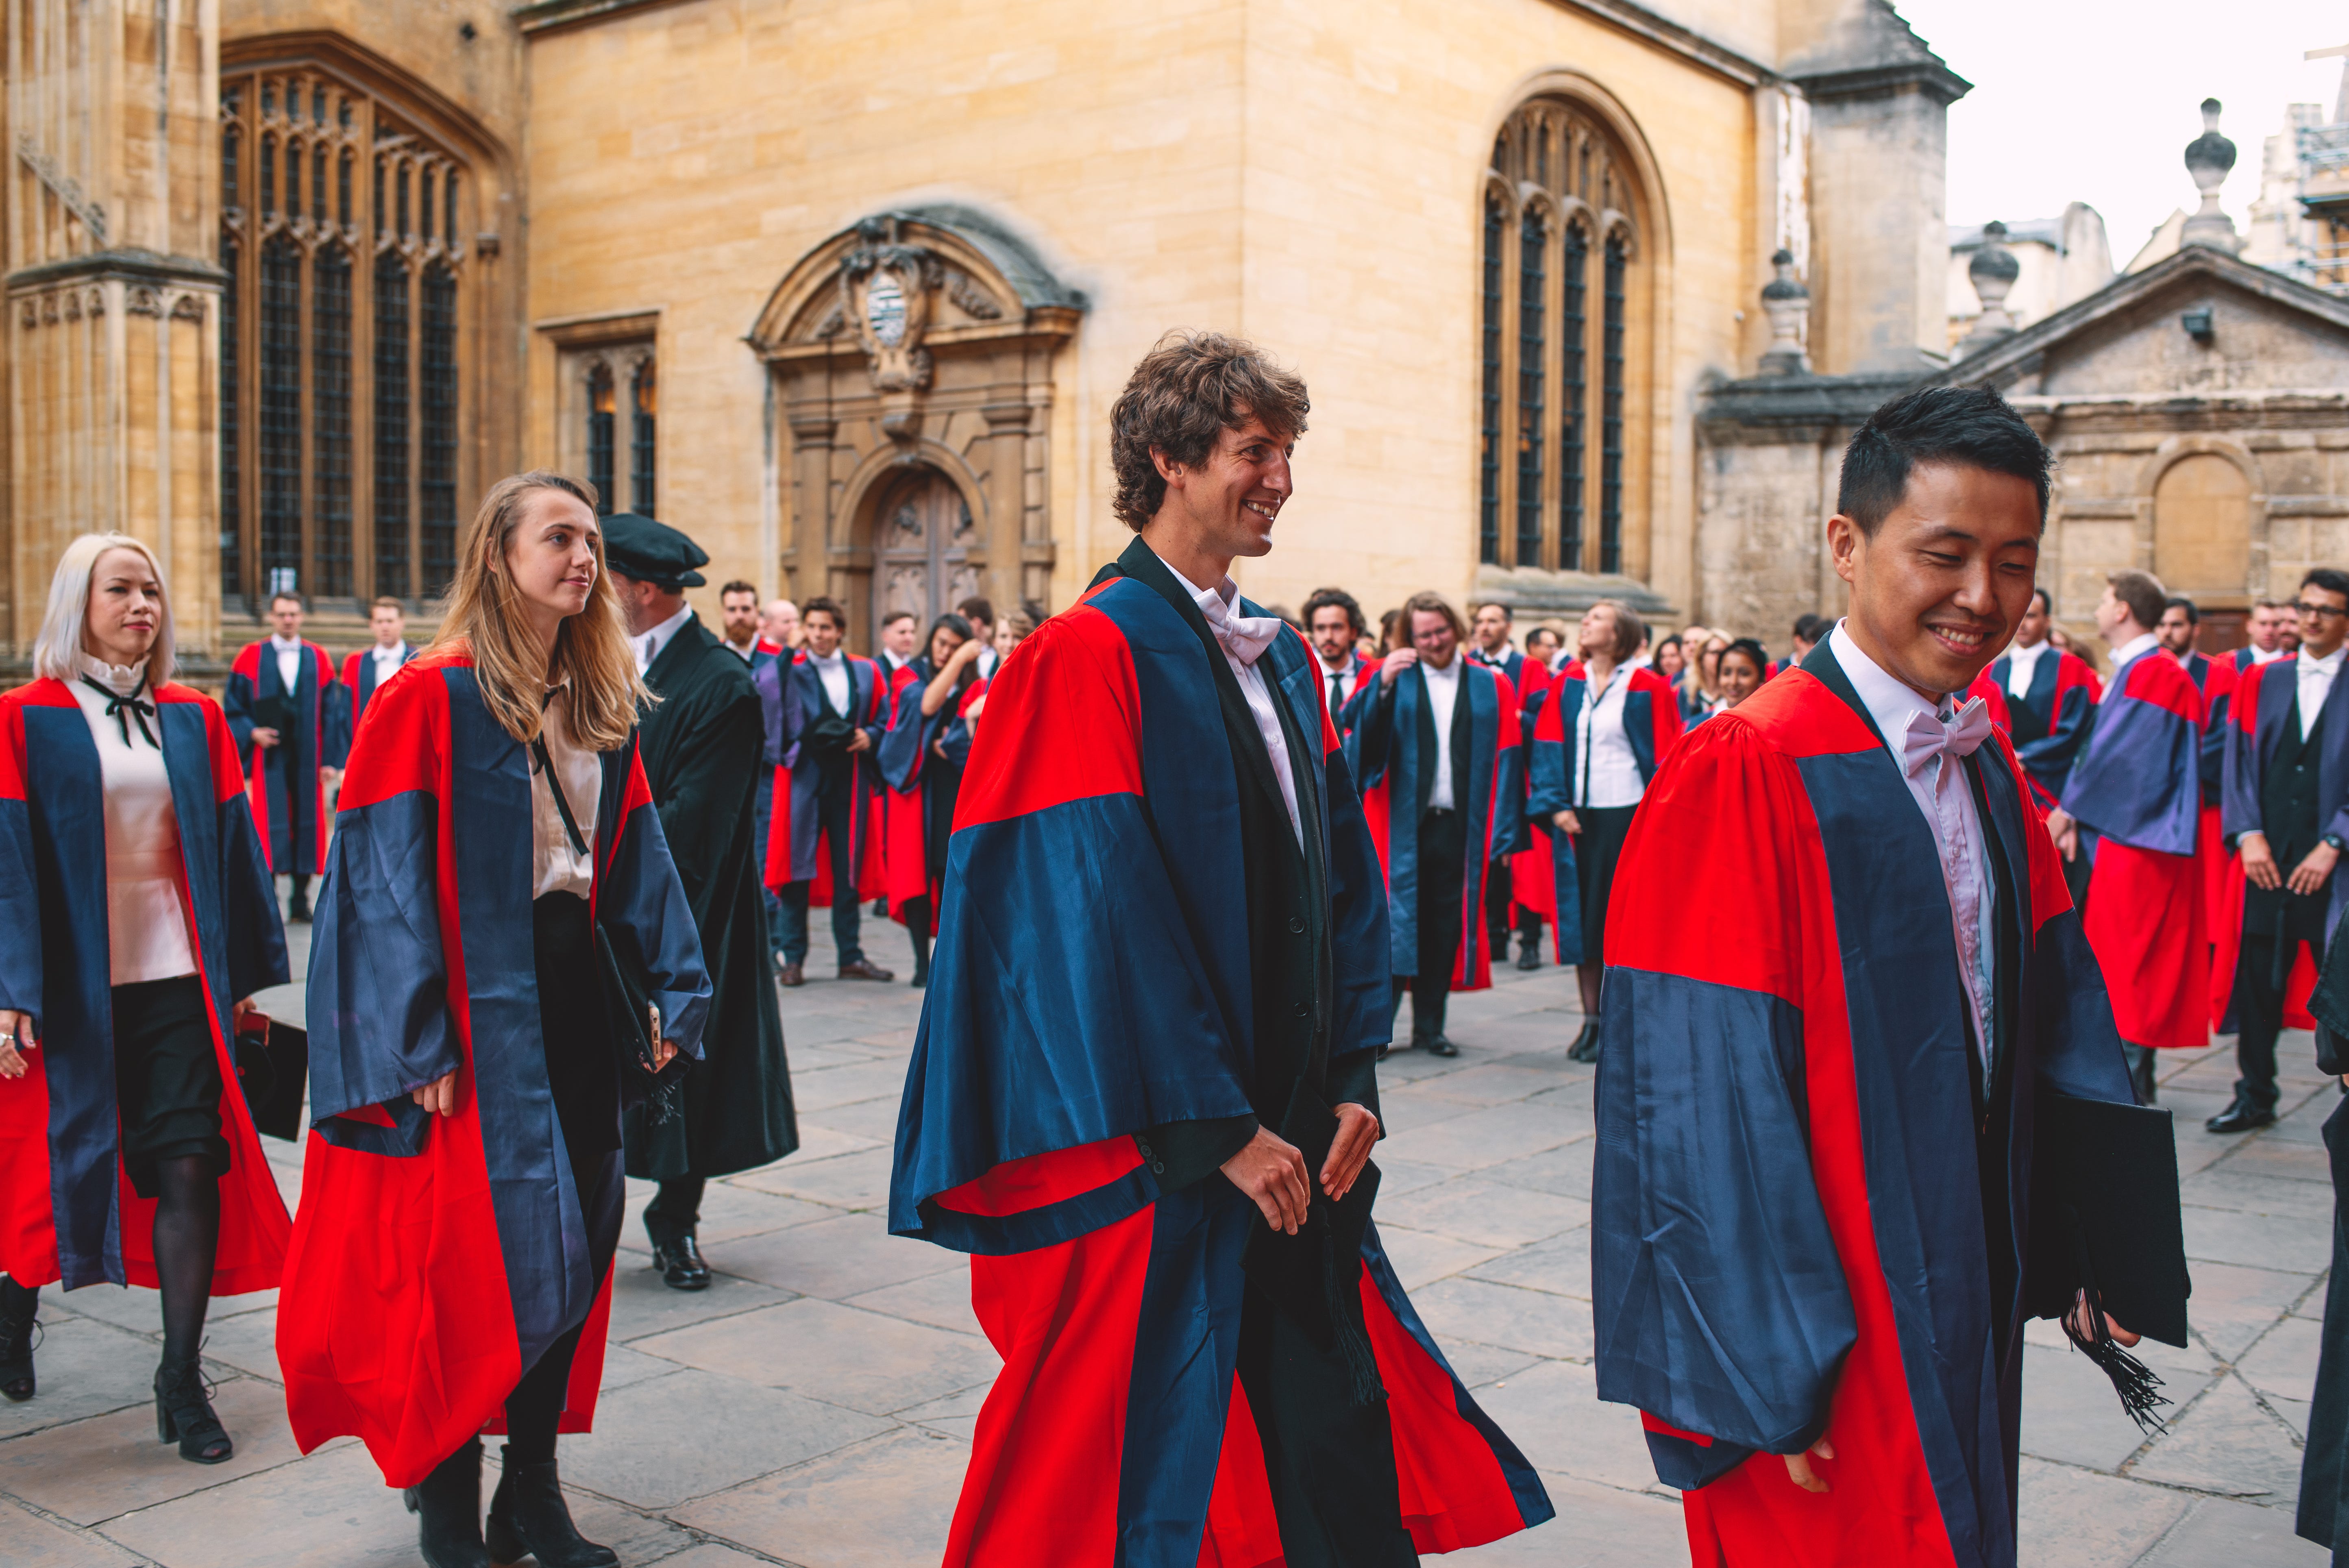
283, 711
2132, 807
1156, 1149
1521, 897
2180, 631
1818, 1225
2042, 696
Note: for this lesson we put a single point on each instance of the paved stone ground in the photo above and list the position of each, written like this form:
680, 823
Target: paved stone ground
815, 1407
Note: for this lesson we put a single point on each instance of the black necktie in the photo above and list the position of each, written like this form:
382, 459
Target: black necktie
1337, 696
125, 707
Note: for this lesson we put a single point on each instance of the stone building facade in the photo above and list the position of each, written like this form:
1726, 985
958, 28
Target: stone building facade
845, 288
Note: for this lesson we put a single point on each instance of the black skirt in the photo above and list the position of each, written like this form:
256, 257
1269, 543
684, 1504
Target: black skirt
1596, 850
167, 1078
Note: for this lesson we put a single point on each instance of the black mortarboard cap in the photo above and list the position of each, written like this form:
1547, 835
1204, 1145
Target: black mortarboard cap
637, 546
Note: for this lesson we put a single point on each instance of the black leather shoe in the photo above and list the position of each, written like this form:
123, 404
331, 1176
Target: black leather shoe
1438, 1046
448, 1508
183, 1413
865, 969
528, 1518
297, 907
19, 1333
1529, 957
2239, 1119
681, 1264
1586, 1044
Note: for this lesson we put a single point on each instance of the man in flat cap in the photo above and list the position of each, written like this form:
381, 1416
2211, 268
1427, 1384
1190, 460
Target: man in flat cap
701, 746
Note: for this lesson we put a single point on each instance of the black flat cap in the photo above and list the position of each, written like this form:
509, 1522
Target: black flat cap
637, 546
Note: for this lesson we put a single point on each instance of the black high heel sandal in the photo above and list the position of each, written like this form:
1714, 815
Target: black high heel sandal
19, 1336
183, 1413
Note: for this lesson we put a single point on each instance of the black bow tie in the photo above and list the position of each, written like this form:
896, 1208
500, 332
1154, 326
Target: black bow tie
125, 706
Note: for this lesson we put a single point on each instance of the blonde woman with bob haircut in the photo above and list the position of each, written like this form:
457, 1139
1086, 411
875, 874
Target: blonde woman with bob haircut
497, 879
132, 938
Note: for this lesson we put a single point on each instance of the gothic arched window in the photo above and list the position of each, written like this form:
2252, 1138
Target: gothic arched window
1561, 223
340, 393
608, 406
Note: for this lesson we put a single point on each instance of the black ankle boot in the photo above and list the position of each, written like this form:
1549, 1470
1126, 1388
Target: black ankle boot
19, 1330
528, 1518
448, 1508
183, 1412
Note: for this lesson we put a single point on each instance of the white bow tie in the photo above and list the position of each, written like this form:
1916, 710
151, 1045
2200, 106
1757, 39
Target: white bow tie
1244, 637
1928, 735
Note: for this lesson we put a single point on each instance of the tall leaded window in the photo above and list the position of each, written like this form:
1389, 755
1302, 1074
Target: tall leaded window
643, 398
602, 412
1561, 204
341, 388
607, 410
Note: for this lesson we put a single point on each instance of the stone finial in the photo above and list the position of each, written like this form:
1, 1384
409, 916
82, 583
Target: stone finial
1787, 304
2209, 158
1992, 272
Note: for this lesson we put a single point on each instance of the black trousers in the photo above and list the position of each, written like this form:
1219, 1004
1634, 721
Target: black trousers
2272, 944
1443, 856
835, 807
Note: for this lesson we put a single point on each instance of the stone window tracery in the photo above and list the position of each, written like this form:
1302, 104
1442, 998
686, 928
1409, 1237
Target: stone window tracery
343, 340
609, 409
1562, 184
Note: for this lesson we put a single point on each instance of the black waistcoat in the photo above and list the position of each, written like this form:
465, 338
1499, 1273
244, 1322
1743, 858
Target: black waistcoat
2288, 815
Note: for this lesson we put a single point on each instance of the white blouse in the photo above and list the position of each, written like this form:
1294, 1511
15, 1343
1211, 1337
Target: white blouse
146, 926
556, 866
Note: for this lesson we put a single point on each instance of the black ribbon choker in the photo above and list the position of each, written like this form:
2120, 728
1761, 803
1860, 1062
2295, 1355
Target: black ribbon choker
125, 706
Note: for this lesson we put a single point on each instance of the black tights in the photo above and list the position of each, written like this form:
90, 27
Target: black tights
918, 926
187, 1243
536, 1406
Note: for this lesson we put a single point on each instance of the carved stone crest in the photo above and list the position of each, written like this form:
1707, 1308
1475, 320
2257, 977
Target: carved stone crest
886, 294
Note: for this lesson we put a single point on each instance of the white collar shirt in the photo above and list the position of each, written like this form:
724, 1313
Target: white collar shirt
555, 866
2022, 663
387, 660
988, 656
2315, 684
2266, 655
648, 644
744, 650
833, 672
289, 662
1243, 639
2143, 642
1443, 698
1943, 798
1607, 771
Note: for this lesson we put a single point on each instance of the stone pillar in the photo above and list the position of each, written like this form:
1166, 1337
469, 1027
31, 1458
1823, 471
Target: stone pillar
113, 215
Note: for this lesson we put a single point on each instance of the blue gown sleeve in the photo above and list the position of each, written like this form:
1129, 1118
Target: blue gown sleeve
905, 742
236, 706
2137, 781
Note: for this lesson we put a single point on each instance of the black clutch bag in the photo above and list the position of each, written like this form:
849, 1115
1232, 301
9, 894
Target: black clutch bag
272, 1069
269, 713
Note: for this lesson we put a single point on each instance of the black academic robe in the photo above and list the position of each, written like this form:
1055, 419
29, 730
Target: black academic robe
701, 747
2324, 1466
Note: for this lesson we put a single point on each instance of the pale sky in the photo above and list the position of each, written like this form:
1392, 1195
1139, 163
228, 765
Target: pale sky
2085, 101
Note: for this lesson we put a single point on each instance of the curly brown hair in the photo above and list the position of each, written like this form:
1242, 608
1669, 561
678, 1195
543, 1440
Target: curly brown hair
1188, 390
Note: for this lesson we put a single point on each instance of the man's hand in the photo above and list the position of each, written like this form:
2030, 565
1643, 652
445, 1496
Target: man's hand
1358, 1132
859, 741
439, 1096
1272, 1172
2086, 1324
1798, 1467
263, 737
1566, 822
2309, 874
2259, 861
1401, 660
15, 1034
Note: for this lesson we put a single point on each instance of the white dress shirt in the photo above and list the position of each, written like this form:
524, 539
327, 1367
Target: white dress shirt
2022, 663
289, 662
555, 866
1346, 680
1939, 789
1243, 639
988, 658
648, 644
741, 650
2315, 676
2142, 642
1443, 697
1605, 771
833, 673
387, 660
146, 928
2266, 655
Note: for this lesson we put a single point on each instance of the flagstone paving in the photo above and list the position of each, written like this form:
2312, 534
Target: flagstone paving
815, 1406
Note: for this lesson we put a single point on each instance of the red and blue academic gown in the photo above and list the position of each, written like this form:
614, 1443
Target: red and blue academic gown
1651, 723
436, 1258
2264, 694
1364, 670
1056, 1076
923, 788
1788, 1233
2136, 789
2048, 723
351, 695
1531, 888
1385, 747
68, 1210
798, 847
2214, 679
904, 871
251, 678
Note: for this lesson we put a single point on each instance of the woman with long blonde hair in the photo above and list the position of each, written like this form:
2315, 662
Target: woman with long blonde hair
136, 922
503, 958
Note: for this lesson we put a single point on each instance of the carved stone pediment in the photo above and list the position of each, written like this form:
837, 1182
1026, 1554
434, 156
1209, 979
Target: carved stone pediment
888, 291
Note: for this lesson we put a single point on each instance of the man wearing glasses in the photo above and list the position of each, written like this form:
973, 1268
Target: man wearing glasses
2285, 805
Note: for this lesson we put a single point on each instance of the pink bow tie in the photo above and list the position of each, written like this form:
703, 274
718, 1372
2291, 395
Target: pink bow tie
1929, 735
1244, 637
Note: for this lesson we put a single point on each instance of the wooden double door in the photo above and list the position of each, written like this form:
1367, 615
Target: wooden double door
921, 541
